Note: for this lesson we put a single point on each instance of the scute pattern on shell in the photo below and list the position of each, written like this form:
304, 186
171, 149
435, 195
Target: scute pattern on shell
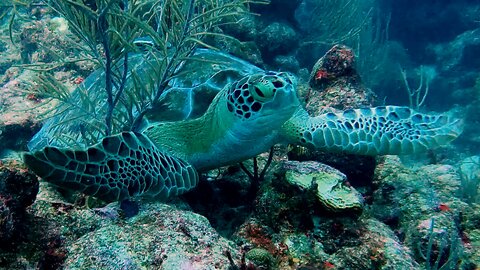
187, 96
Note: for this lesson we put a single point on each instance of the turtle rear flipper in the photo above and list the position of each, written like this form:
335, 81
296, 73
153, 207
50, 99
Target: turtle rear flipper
119, 167
373, 131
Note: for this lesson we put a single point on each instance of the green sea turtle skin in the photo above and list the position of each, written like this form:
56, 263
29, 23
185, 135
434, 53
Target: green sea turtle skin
244, 119
119, 167
384, 130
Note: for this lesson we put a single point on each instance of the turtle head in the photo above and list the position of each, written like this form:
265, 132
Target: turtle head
264, 98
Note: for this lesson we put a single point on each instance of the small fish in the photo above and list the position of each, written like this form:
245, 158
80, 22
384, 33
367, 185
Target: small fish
147, 43
144, 42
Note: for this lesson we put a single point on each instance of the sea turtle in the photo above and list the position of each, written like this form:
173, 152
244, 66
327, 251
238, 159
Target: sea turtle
246, 117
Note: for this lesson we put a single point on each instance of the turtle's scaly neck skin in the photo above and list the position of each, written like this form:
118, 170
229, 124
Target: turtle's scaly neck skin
242, 121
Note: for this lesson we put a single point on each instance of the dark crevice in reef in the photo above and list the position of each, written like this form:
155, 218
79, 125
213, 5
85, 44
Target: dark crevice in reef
225, 202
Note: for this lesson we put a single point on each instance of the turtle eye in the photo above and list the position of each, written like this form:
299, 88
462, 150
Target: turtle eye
262, 91
259, 92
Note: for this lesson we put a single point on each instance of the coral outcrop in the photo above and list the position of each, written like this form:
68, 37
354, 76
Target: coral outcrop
18, 189
330, 185
423, 203
160, 237
336, 84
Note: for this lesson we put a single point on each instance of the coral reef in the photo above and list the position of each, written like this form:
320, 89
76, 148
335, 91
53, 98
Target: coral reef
276, 38
15, 135
160, 236
469, 172
330, 185
457, 53
18, 189
261, 258
49, 225
420, 203
377, 248
336, 84
58, 234
337, 62
415, 215
43, 40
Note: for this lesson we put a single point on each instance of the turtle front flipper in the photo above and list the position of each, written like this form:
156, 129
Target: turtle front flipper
119, 167
373, 131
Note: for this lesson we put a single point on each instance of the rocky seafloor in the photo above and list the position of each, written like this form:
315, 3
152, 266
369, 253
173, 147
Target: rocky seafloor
311, 210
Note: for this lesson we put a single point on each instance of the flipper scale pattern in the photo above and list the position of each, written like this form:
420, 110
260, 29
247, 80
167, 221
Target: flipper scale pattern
120, 167
375, 131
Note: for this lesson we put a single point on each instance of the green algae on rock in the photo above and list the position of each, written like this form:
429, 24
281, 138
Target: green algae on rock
332, 191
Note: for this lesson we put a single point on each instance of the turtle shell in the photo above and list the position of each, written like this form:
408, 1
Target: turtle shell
80, 121
197, 83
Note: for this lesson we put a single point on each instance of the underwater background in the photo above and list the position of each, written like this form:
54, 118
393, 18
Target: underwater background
292, 208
